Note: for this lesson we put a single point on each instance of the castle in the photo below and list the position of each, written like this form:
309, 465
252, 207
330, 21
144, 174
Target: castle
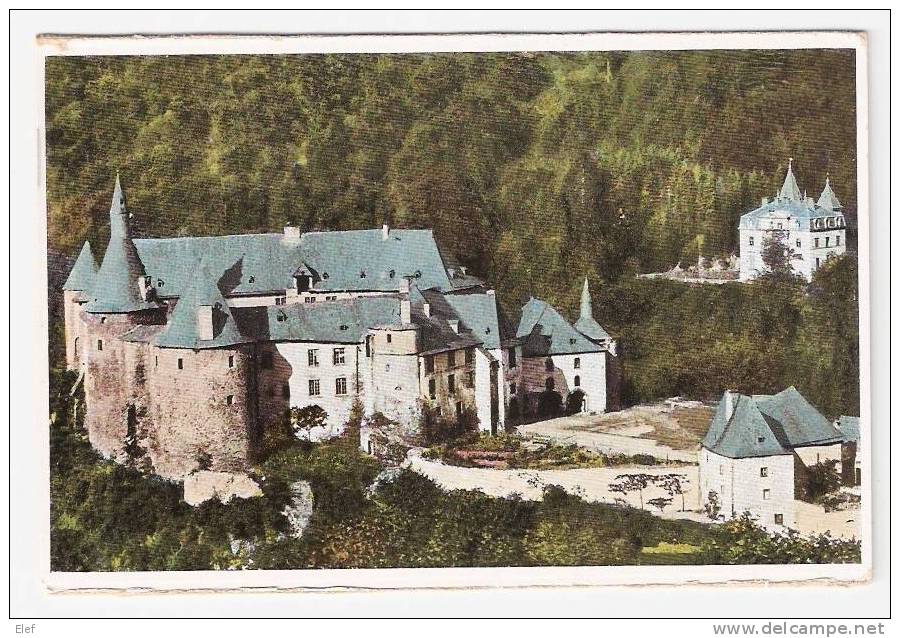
189, 348
812, 231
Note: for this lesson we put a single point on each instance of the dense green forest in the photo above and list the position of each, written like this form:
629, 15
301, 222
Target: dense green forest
534, 169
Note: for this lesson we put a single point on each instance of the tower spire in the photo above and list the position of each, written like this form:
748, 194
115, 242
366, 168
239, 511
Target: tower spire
790, 190
587, 312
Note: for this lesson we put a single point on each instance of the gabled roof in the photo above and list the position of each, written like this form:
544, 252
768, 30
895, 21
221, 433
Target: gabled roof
479, 313
116, 287
84, 271
801, 423
546, 332
182, 329
745, 434
828, 200
764, 425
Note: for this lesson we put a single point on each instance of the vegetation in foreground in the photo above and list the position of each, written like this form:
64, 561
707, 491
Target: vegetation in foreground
109, 517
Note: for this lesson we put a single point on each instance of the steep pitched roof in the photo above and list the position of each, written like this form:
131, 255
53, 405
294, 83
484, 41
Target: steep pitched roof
546, 332
828, 200
745, 434
763, 425
116, 287
586, 323
801, 423
182, 330
790, 190
84, 272
479, 313
366, 260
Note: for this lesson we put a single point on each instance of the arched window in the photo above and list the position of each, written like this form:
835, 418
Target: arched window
577, 381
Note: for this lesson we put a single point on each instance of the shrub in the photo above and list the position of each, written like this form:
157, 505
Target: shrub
821, 478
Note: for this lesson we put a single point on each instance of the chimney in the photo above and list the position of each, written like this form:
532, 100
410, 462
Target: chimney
765, 200
426, 309
405, 312
385, 231
404, 285
205, 323
292, 231
729, 404
454, 325
489, 291
462, 269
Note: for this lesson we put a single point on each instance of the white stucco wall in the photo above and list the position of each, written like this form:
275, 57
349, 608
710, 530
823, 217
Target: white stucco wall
741, 487
483, 388
337, 406
806, 253
591, 372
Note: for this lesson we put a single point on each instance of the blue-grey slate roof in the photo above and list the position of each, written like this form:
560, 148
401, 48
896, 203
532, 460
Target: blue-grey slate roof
849, 427
116, 287
799, 421
84, 272
182, 330
765, 425
478, 312
745, 434
828, 200
546, 332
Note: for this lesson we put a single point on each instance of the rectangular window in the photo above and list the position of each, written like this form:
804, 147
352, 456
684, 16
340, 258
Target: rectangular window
337, 356
280, 301
155, 362
312, 358
180, 364
285, 391
779, 226
837, 240
229, 400
512, 388
451, 358
429, 363
231, 361
827, 242
451, 384
766, 494
779, 519
799, 244
267, 360
389, 337
512, 357
315, 388
331, 298
470, 355
817, 262
368, 346
816, 242
577, 363
751, 240
470, 379
763, 472
340, 386
458, 408
432, 388
99, 345
309, 300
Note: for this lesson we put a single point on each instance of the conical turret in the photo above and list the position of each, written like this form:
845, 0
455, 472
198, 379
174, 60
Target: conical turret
789, 189
119, 285
828, 200
84, 273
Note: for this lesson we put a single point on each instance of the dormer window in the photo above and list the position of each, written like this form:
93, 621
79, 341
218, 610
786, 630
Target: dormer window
324, 275
160, 283
362, 274
252, 279
392, 273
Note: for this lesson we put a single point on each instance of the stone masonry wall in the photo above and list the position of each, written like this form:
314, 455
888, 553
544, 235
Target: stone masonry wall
204, 410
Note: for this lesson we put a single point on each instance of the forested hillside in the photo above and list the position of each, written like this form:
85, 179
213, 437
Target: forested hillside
535, 170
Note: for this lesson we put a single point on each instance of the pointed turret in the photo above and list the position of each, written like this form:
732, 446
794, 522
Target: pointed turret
828, 200
119, 286
84, 273
202, 318
586, 324
789, 189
